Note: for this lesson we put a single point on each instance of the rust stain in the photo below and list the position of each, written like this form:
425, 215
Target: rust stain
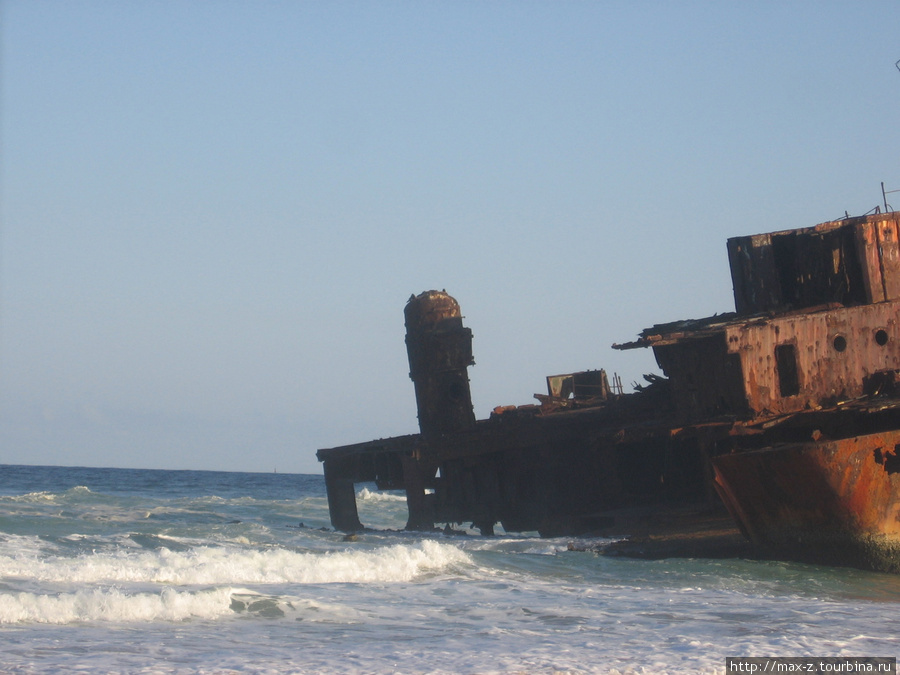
816, 495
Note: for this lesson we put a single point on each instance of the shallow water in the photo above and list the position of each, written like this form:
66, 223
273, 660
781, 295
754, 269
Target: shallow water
123, 571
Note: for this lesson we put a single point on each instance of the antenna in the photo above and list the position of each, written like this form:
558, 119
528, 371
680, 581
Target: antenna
884, 193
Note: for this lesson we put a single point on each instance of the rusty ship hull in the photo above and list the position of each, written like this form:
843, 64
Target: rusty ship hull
785, 411
832, 502
555, 473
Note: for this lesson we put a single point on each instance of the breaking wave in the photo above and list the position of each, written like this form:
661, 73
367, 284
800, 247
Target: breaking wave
227, 565
368, 495
44, 497
113, 604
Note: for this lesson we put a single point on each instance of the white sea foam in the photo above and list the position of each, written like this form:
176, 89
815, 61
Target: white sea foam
23, 547
30, 497
531, 545
230, 565
48, 497
114, 605
368, 495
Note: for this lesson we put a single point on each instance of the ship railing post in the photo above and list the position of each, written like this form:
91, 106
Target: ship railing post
421, 516
341, 496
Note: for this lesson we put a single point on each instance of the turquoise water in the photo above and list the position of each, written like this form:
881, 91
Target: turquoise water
125, 571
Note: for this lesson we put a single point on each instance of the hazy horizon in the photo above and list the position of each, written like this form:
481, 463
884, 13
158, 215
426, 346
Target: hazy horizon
213, 213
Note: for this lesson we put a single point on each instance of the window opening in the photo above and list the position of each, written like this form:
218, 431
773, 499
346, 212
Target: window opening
786, 363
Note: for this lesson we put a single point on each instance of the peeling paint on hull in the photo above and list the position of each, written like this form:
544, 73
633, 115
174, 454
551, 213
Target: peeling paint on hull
833, 502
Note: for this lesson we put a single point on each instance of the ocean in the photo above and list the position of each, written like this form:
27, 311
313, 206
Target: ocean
133, 571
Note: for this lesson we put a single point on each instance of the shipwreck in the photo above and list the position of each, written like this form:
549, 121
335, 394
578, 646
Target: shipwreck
787, 411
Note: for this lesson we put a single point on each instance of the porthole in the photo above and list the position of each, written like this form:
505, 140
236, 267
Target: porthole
839, 342
881, 337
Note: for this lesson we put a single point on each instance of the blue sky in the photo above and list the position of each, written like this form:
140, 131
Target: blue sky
213, 213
